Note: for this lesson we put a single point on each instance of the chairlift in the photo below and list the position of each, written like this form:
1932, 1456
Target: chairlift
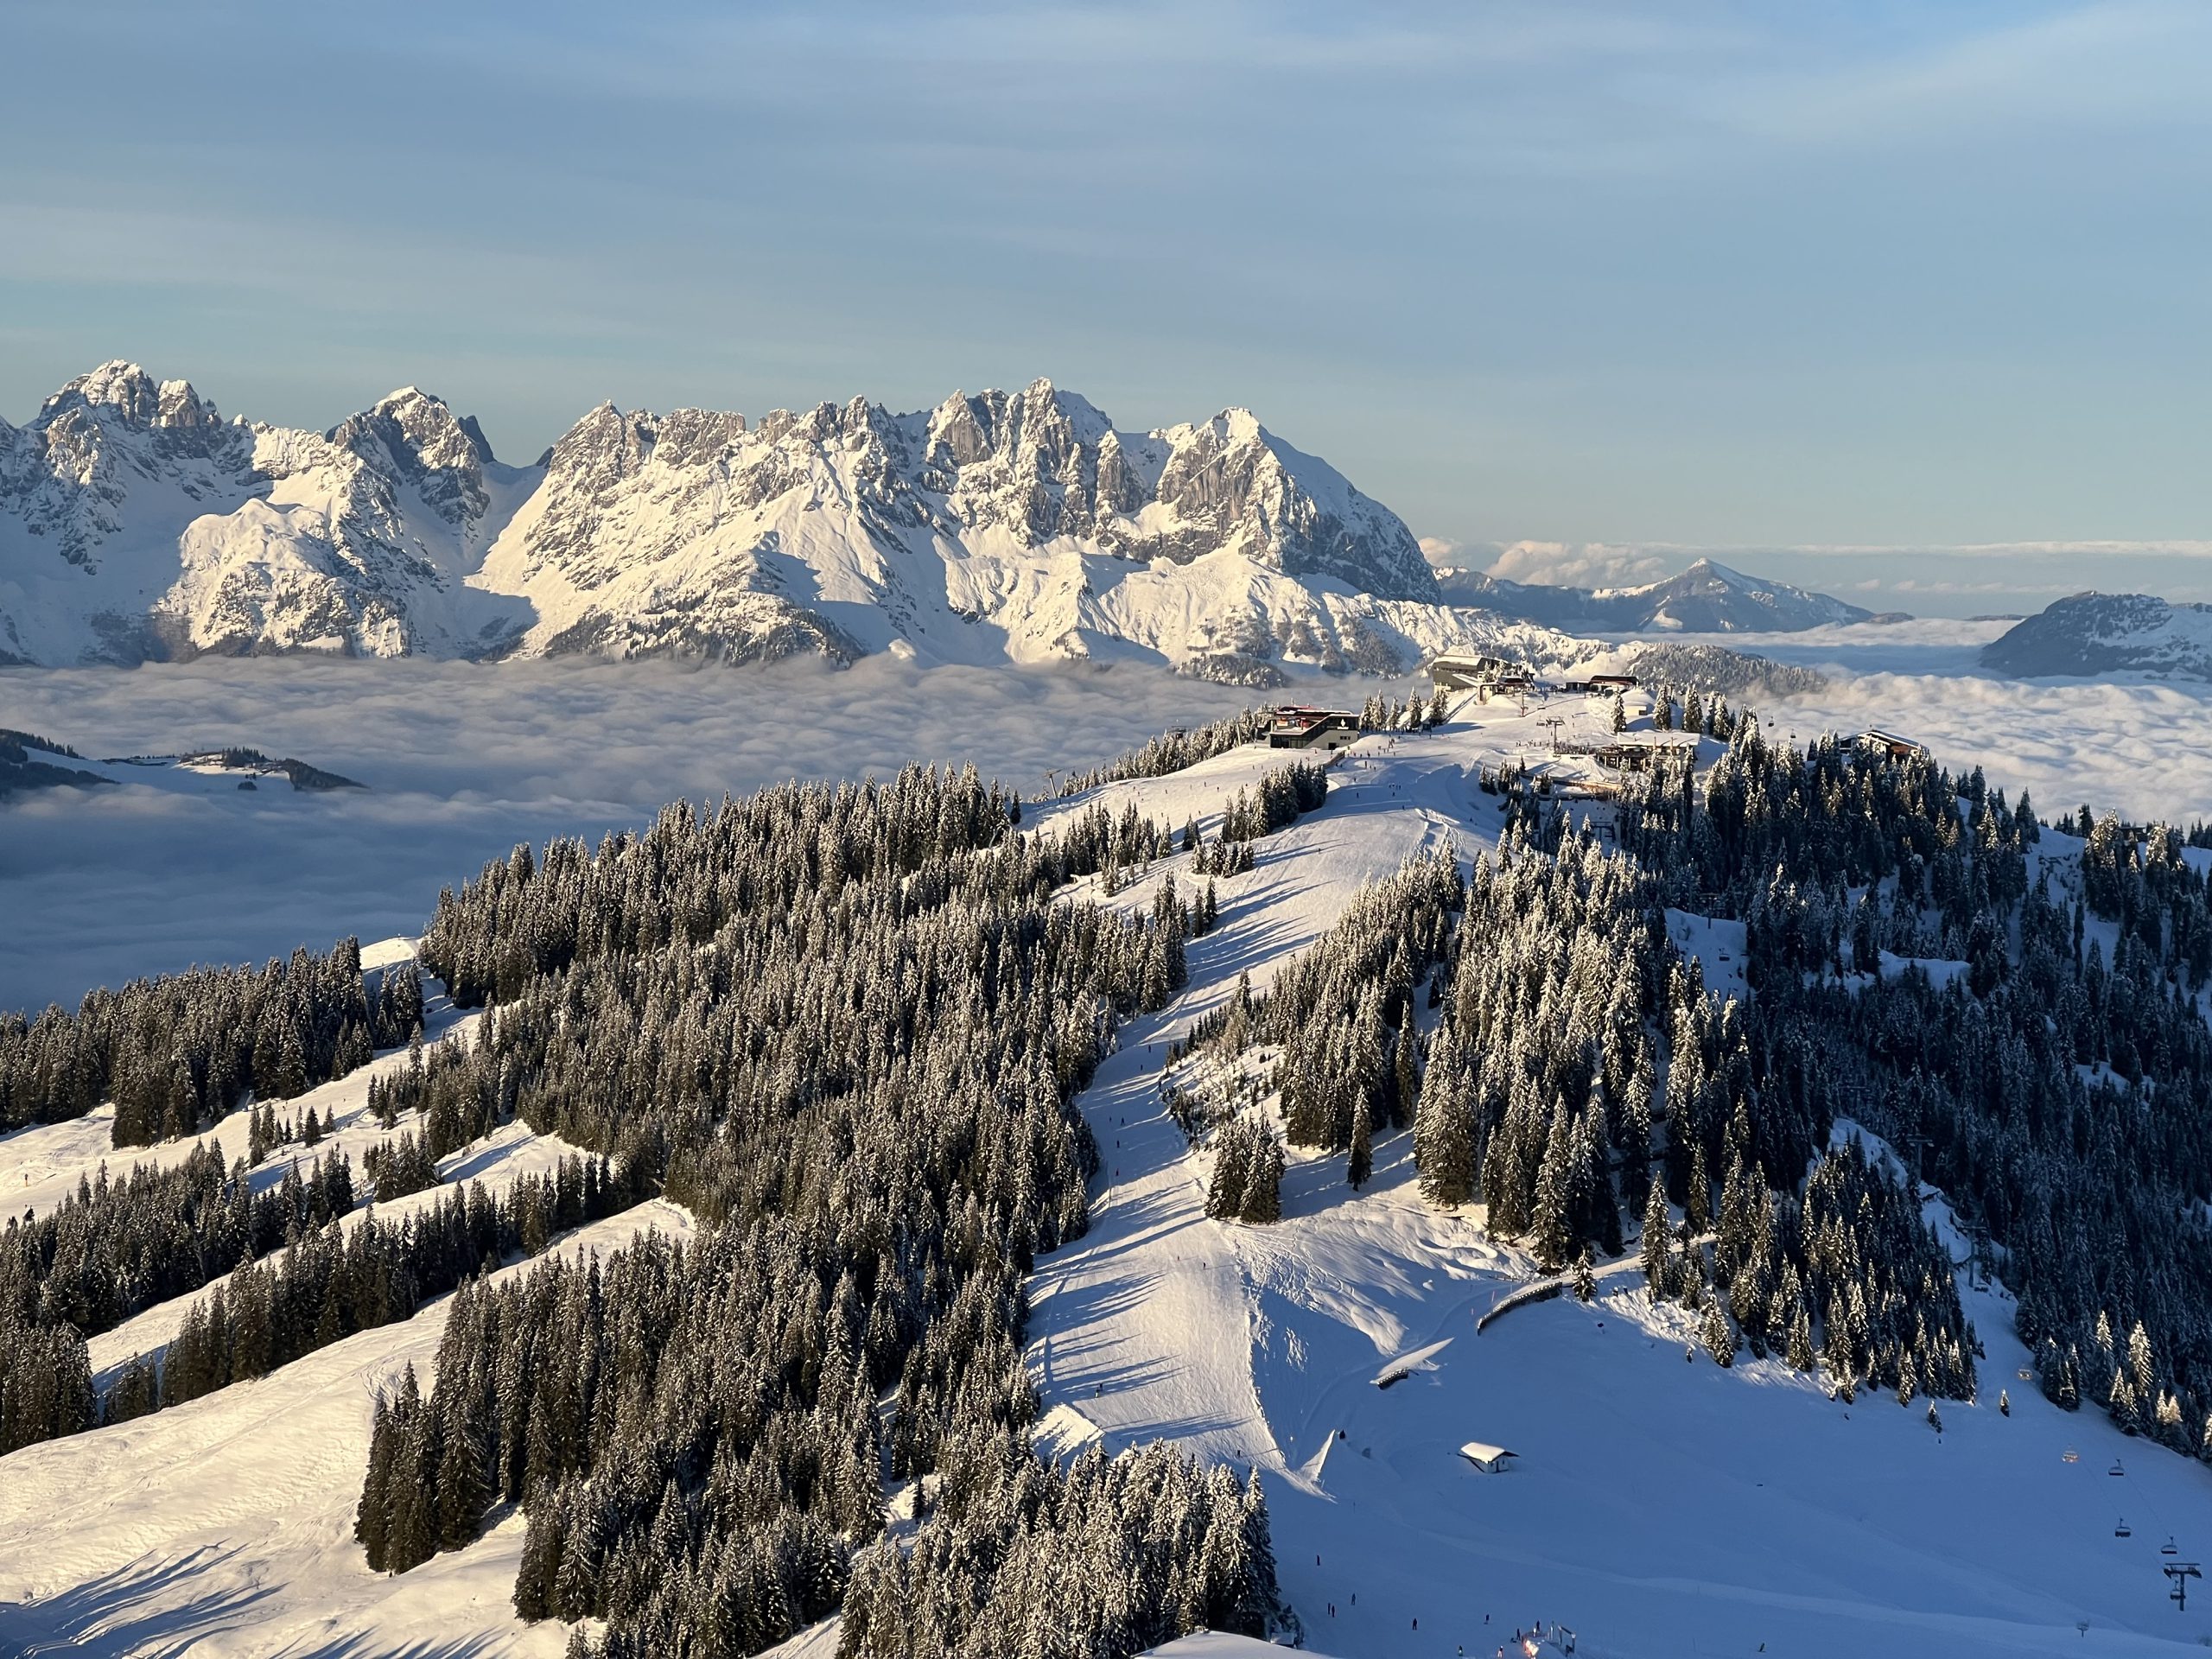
2069, 1455
2123, 1531
2115, 1471
2168, 1548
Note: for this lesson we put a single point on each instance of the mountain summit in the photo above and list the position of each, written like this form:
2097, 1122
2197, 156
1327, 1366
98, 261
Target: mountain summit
137, 523
1707, 598
2097, 634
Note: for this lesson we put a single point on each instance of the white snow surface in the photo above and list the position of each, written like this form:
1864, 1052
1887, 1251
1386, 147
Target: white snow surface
225, 1526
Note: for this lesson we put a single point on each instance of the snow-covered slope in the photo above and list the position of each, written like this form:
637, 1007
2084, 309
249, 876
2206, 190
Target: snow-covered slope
225, 1526
2096, 634
1707, 598
1659, 1507
136, 523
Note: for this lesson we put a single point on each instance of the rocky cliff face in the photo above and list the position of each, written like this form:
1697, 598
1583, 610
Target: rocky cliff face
136, 522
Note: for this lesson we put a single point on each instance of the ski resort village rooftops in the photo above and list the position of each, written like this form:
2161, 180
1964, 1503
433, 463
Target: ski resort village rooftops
1299, 727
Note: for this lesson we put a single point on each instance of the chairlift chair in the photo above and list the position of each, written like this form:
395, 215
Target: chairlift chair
2116, 1470
2123, 1531
2168, 1548
2069, 1455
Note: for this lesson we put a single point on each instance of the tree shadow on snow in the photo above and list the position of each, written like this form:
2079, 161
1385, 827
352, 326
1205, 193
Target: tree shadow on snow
365, 1646
111, 1615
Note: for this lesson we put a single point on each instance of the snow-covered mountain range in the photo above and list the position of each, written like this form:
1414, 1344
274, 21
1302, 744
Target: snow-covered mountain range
1707, 598
2108, 633
137, 523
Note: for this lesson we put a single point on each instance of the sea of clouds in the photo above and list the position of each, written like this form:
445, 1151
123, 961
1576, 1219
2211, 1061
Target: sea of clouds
463, 761
2133, 747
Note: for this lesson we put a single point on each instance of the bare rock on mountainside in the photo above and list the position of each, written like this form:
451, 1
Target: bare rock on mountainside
137, 523
2092, 634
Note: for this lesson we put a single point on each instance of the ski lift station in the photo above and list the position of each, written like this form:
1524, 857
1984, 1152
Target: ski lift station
1487, 1459
1491, 675
1298, 728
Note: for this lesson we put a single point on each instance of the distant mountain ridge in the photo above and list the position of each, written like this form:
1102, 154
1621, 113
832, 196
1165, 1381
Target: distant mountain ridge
1707, 598
137, 523
2091, 634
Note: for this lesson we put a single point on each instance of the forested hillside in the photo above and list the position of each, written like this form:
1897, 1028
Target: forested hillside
850, 1030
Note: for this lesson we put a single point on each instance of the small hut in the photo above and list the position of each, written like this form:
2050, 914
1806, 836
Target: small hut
1489, 1459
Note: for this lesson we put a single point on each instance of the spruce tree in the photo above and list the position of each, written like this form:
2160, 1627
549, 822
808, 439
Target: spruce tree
1551, 1229
1232, 1175
1263, 1188
1654, 1243
370, 1516
1360, 1165
1714, 1333
1443, 1144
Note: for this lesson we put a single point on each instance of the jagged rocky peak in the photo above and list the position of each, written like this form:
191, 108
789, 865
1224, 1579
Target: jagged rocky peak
176, 405
68, 476
1040, 431
840, 528
606, 445
687, 436
123, 389
416, 436
1232, 482
124, 393
1041, 462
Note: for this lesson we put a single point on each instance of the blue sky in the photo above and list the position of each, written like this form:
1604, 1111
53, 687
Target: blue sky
1614, 281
